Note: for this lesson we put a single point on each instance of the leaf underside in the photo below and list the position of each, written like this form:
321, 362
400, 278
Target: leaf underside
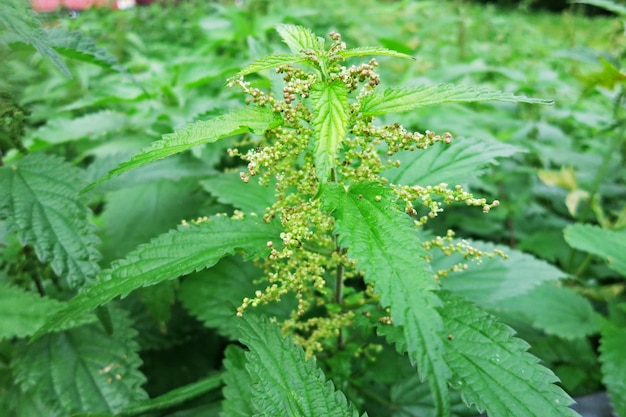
492, 369
398, 100
383, 242
39, 198
285, 382
249, 119
179, 252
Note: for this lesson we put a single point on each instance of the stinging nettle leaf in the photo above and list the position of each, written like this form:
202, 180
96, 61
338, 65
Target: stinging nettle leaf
23, 312
398, 100
387, 248
453, 164
613, 359
83, 369
610, 245
373, 50
249, 119
330, 103
179, 252
494, 279
493, 370
285, 382
237, 389
39, 198
250, 197
299, 38
15, 16
270, 62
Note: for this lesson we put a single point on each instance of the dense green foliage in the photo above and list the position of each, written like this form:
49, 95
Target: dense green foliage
170, 246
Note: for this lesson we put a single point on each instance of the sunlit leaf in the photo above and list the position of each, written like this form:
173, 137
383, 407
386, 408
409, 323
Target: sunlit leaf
609, 245
299, 38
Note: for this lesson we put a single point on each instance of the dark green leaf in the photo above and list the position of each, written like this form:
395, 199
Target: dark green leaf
39, 198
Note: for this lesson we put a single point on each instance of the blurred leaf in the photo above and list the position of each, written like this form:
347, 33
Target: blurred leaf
23, 312
556, 310
607, 244
495, 279
91, 126
18, 19
249, 197
613, 359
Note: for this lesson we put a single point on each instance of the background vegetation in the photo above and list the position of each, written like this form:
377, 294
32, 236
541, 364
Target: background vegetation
562, 188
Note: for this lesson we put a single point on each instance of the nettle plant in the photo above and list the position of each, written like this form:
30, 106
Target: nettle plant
325, 264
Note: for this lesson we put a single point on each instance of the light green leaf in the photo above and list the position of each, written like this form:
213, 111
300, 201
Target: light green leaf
249, 197
92, 126
556, 310
285, 382
77, 46
608, 244
237, 390
397, 100
84, 369
189, 248
373, 50
492, 369
249, 119
23, 312
136, 214
39, 199
17, 18
330, 124
174, 397
270, 62
453, 164
387, 248
495, 279
213, 295
299, 38
613, 359
609, 5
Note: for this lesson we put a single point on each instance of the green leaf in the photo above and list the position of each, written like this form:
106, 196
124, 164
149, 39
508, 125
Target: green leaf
492, 369
174, 397
495, 279
286, 383
190, 248
92, 126
23, 312
17, 18
373, 50
213, 295
83, 369
387, 248
453, 164
249, 197
136, 214
609, 5
299, 38
237, 390
249, 119
397, 100
77, 46
556, 310
330, 124
608, 244
270, 62
39, 198
613, 359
